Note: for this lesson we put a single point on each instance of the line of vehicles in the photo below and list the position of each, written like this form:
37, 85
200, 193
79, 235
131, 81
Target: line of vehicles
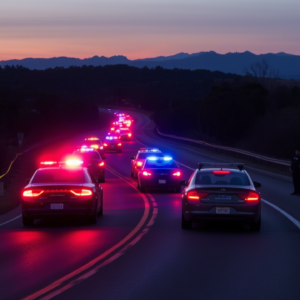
215, 191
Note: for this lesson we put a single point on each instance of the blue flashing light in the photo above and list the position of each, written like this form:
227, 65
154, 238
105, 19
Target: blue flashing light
168, 158
152, 158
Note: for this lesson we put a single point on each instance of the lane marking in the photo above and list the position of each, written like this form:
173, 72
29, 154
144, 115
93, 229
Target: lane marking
17, 217
102, 256
284, 213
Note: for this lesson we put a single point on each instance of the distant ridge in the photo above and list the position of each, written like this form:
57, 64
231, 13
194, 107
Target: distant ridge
288, 65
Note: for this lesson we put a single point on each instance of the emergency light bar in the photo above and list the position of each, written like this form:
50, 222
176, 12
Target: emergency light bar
154, 158
239, 166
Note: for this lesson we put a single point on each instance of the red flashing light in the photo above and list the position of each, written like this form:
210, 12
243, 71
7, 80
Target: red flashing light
195, 196
48, 163
74, 162
101, 164
145, 173
177, 174
129, 134
95, 146
249, 196
221, 172
119, 144
105, 145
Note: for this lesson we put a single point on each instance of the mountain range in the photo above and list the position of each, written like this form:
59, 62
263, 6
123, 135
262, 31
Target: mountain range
287, 65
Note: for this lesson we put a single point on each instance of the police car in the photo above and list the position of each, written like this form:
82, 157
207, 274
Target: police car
65, 190
160, 172
221, 191
138, 160
95, 143
112, 144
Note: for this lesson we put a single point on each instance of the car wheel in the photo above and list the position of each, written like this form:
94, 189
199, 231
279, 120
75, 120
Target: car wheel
27, 221
255, 226
93, 218
185, 224
100, 212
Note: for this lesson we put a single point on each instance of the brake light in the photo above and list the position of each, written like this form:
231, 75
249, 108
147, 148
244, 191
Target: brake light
129, 134
145, 173
82, 192
249, 196
139, 163
221, 172
196, 196
101, 164
32, 193
105, 145
119, 144
177, 174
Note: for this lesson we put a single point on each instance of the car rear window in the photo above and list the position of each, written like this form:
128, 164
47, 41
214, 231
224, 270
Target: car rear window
209, 178
160, 164
88, 155
144, 155
59, 176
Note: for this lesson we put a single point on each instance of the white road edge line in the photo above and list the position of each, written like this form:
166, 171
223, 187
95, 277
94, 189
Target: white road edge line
17, 217
288, 216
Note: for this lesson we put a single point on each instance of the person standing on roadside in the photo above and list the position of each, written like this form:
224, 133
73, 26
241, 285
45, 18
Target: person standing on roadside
295, 170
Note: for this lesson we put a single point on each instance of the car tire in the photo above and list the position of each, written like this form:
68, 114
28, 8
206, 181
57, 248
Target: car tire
27, 221
185, 224
255, 226
93, 219
100, 212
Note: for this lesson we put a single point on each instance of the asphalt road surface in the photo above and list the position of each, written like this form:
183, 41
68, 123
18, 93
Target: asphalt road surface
137, 249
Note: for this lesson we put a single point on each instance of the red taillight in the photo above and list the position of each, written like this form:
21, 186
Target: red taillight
195, 196
82, 193
249, 196
105, 145
221, 172
177, 174
139, 163
32, 193
101, 164
145, 173
129, 134
119, 144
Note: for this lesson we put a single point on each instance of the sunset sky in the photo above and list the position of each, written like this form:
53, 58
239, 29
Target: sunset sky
146, 28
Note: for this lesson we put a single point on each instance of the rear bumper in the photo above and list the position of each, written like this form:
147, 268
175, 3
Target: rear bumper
158, 183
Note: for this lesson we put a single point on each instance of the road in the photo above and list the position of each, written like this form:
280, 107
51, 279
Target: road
138, 250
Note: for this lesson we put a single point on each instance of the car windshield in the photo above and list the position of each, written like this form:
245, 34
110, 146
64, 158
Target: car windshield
160, 164
59, 176
232, 178
144, 155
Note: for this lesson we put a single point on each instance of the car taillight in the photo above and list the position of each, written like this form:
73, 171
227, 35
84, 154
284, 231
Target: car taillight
177, 174
105, 145
221, 172
195, 196
129, 134
82, 193
101, 164
139, 163
32, 193
249, 196
119, 144
146, 173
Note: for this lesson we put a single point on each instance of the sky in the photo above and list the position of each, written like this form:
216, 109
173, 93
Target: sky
146, 28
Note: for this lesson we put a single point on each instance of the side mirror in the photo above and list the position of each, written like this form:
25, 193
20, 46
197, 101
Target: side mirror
256, 184
27, 181
132, 157
183, 183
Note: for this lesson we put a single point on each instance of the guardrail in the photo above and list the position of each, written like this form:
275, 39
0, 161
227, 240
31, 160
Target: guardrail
269, 161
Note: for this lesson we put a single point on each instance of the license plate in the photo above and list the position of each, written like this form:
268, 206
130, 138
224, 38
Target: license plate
162, 181
223, 210
56, 206
223, 197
